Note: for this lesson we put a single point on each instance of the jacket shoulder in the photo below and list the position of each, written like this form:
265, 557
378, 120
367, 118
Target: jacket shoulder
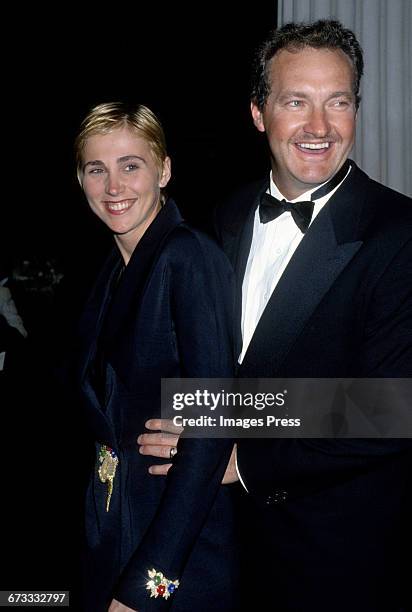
230, 213
394, 210
187, 246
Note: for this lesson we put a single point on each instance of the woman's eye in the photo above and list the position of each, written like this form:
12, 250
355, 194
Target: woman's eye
96, 171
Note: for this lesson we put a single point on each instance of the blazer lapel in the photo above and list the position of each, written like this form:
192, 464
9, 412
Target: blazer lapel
330, 243
126, 301
104, 315
94, 312
89, 330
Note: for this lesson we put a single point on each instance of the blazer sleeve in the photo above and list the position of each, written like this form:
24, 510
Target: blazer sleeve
201, 286
276, 470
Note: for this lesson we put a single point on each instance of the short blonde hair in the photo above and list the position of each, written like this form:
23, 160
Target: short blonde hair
110, 116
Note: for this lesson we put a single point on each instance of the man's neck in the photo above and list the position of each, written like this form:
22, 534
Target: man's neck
291, 196
281, 191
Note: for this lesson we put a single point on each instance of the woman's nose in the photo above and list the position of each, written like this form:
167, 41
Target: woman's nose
113, 184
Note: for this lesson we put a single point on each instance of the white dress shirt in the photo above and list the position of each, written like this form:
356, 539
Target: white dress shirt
273, 245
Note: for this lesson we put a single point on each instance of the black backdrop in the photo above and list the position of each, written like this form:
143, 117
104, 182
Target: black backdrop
190, 64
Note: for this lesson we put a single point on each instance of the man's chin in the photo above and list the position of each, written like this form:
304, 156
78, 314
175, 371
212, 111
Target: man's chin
316, 175
303, 177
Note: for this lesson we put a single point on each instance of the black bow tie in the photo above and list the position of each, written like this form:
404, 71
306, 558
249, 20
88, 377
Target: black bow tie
270, 207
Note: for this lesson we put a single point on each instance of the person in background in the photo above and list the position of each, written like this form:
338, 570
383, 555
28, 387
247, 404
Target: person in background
161, 307
12, 332
323, 258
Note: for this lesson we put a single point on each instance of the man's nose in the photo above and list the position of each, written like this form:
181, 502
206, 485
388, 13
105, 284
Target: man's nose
317, 123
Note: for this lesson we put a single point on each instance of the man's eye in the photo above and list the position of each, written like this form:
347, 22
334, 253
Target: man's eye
131, 167
341, 103
95, 170
295, 103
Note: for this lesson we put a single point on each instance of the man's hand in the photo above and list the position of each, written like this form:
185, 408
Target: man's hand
116, 606
159, 444
166, 436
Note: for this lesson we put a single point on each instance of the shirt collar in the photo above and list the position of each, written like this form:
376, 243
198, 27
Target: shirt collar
274, 191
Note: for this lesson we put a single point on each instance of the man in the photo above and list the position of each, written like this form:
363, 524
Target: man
325, 291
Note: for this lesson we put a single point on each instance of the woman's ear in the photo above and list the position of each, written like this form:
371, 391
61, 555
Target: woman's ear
80, 177
166, 172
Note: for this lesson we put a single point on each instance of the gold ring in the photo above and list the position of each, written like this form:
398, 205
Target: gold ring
172, 452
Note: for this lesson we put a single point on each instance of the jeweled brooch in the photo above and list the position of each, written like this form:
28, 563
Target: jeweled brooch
107, 471
159, 585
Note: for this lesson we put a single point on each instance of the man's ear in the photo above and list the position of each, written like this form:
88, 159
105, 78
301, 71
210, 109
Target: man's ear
166, 172
257, 117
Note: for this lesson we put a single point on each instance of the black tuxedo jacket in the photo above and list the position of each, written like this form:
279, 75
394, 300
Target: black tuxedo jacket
170, 315
336, 513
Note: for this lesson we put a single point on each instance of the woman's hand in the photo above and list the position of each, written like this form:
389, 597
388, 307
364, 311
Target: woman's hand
166, 437
116, 606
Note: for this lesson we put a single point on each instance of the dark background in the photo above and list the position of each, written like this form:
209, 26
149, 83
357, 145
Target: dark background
190, 64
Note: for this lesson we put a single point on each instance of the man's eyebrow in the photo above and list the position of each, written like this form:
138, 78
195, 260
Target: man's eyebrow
301, 94
338, 94
292, 94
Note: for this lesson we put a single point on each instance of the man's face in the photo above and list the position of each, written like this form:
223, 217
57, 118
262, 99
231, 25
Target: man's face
309, 117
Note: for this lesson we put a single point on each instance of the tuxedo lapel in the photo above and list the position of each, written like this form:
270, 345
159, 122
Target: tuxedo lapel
240, 256
246, 235
231, 221
330, 243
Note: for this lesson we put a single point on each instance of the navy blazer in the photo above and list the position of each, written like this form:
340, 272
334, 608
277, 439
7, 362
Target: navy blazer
333, 513
170, 315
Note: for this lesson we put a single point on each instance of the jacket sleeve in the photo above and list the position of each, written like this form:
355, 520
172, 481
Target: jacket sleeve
201, 286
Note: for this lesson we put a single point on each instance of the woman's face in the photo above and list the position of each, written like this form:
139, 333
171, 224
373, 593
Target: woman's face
122, 181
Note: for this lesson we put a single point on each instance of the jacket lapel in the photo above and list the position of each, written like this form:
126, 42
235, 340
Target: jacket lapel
330, 243
237, 246
104, 315
94, 312
125, 303
89, 330
246, 235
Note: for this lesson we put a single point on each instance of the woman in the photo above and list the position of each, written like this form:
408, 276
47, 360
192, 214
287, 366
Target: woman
160, 308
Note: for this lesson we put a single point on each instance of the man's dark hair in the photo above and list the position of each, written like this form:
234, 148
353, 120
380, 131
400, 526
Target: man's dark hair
322, 34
